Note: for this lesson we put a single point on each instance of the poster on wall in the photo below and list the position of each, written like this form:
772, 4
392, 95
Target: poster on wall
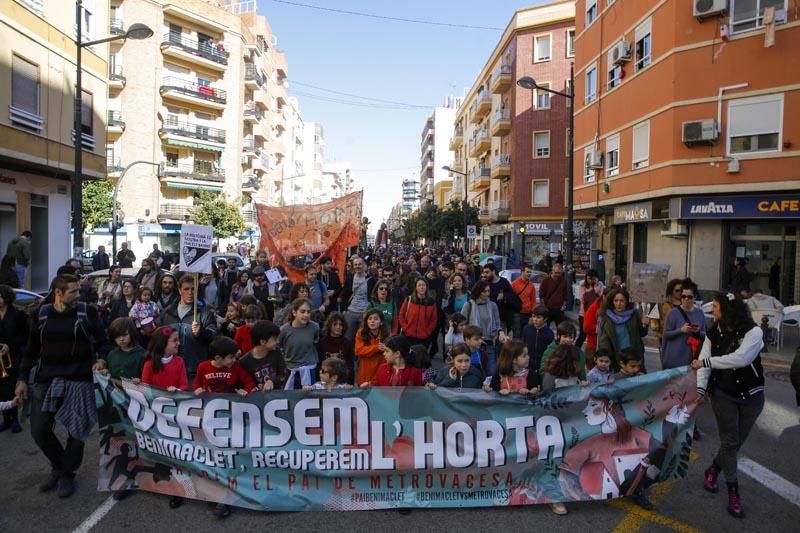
295, 235
396, 447
648, 282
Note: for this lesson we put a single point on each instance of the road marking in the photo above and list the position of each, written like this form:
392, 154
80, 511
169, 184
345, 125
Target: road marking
775, 417
96, 516
780, 486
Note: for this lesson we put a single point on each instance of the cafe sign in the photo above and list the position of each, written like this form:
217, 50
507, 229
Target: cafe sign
639, 212
766, 206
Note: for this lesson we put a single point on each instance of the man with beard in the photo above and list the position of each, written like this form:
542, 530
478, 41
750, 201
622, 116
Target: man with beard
501, 293
330, 277
166, 294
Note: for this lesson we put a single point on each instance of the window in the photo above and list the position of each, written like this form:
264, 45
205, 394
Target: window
614, 71
612, 156
641, 145
87, 114
540, 193
643, 45
567, 90
591, 83
570, 43
566, 143
749, 14
754, 124
566, 192
172, 159
87, 21
541, 48
37, 6
589, 158
541, 144
591, 11
543, 97
24, 85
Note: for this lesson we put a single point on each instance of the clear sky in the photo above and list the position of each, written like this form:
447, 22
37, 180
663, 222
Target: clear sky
383, 59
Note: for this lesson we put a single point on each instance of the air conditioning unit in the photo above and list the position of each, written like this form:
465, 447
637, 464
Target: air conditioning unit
709, 8
699, 131
621, 53
596, 161
674, 228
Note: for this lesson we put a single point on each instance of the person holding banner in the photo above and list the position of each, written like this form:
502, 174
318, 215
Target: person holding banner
196, 327
729, 370
622, 326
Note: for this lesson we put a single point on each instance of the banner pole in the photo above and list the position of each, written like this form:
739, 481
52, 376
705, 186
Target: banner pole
195, 296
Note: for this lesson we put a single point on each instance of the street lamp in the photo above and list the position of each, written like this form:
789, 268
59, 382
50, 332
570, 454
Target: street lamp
527, 82
136, 31
448, 169
114, 221
290, 178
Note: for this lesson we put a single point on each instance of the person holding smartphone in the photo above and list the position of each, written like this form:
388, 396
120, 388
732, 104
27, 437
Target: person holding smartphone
684, 330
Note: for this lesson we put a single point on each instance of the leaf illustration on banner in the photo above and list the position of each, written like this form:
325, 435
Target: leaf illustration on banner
575, 437
649, 413
554, 400
686, 450
193, 254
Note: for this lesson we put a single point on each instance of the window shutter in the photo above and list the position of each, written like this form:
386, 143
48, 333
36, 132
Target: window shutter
25, 85
87, 119
542, 141
754, 117
612, 143
641, 142
541, 193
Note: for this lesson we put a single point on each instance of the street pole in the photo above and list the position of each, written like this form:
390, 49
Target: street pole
114, 205
568, 230
465, 215
77, 176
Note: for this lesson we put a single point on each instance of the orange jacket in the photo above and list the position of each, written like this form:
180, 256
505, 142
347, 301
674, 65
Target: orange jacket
370, 357
418, 321
526, 291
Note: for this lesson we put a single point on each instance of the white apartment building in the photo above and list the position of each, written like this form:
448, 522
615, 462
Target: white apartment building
435, 149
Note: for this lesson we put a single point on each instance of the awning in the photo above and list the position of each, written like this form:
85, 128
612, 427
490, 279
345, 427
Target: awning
197, 146
195, 186
156, 229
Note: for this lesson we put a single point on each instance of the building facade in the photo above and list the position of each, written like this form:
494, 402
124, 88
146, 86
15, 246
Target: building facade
512, 142
37, 80
684, 141
435, 149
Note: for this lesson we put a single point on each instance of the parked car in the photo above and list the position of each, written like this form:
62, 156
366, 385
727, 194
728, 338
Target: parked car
536, 277
27, 300
239, 261
99, 276
86, 260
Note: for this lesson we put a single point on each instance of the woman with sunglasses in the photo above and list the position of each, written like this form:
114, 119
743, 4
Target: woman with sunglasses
381, 299
684, 330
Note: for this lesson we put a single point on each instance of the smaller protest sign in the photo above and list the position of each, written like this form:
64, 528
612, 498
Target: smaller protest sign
648, 282
274, 275
196, 241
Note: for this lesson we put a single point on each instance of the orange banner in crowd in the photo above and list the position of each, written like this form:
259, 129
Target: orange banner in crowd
291, 233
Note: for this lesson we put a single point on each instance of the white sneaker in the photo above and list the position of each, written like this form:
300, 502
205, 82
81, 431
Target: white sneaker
558, 508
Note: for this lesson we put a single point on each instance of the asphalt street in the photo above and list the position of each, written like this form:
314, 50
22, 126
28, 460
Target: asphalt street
682, 505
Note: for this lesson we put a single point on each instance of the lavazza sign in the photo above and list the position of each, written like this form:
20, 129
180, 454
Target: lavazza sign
712, 208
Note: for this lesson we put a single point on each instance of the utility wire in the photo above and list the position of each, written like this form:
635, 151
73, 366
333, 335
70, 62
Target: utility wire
356, 103
382, 17
291, 81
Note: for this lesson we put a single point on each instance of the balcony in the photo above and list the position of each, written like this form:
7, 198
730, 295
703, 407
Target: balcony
480, 143
499, 211
501, 122
483, 215
113, 167
501, 166
252, 113
188, 91
427, 134
200, 175
249, 147
177, 45
252, 78
480, 107
261, 98
479, 179
250, 216
183, 128
251, 183
456, 193
501, 79
178, 212
114, 122
261, 131
458, 165
116, 79
116, 27
457, 139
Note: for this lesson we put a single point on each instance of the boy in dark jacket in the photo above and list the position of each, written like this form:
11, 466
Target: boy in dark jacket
537, 336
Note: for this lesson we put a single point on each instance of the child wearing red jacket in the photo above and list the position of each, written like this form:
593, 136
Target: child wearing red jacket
399, 370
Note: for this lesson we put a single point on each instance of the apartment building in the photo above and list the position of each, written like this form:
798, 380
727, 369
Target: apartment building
435, 149
684, 141
37, 95
512, 142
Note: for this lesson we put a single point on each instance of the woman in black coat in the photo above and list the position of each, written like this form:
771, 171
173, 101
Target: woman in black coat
13, 338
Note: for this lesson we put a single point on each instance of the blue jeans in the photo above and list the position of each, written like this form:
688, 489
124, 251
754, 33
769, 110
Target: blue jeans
491, 359
20, 270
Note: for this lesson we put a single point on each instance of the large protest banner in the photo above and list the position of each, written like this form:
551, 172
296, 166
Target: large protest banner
292, 233
381, 448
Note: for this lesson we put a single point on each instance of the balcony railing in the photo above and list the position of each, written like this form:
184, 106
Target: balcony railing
251, 74
114, 119
499, 210
115, 73
248, 145
502, 70
503, 160
202, 170
479, 174
190, 88
116, 27
113, 165
200, 49
501, 114
175, 211
196, 131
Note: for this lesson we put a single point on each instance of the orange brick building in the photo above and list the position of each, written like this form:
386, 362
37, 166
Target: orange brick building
684, 147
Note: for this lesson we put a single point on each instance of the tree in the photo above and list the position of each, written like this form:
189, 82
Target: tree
97, 203
214, 210
437, 225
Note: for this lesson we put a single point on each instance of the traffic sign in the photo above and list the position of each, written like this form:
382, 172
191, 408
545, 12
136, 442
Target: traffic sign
472, 232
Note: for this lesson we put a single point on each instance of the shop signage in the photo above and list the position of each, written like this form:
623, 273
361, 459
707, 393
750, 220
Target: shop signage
766, 206
543, 228
639, 212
